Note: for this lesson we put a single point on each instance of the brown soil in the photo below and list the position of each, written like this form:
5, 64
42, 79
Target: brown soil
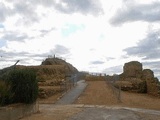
96, 93
50, 112
101, 93
140, 101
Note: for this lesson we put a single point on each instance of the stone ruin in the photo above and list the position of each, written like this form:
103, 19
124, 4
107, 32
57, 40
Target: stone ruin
136, 79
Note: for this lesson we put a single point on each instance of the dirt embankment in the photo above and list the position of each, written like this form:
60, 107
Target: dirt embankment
50, 75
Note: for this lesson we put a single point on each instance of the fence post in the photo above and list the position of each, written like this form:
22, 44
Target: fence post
65, 86
119, 94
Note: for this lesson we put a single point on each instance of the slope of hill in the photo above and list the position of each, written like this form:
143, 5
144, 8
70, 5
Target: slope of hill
50, 75
68, 68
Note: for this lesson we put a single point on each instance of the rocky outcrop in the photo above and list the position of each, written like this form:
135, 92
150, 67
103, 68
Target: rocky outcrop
132, 69
130, 79
151, 82
57, 61
135, 79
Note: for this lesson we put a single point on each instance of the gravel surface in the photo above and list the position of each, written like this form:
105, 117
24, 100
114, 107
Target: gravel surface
91, 112
105, 114
100, 93
97, 102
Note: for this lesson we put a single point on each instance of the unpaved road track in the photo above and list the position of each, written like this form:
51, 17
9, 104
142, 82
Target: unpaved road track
115, 113
91, 112
98, 103
100, 93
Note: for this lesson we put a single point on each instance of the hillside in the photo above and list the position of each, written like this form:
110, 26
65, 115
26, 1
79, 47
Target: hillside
68, 68
51, 68
50, 74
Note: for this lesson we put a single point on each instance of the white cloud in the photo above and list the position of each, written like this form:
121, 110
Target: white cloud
80, 31
134, 11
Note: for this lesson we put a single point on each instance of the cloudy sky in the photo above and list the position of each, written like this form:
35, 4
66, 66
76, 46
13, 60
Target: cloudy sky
92, 35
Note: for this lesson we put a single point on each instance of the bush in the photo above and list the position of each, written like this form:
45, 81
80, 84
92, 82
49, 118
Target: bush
24, 85
142, 87
5, 93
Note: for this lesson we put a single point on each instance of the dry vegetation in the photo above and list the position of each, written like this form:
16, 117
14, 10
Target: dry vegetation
98, 92
49, 78
47, 72
101, 93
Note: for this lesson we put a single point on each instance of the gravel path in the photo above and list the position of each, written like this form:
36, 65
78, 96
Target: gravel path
94, 113
73, 94
65, 110
91, 112
105, 114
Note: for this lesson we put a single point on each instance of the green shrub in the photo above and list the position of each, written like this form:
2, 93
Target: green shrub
5, 93
24, 85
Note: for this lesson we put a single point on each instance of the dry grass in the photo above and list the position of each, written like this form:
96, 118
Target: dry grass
97, 93
100, 93
140, 101
47, 72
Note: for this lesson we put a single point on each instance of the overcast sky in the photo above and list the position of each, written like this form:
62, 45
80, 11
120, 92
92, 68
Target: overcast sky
92, 35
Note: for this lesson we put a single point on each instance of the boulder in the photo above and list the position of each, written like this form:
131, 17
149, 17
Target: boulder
69, 68
132, 84
148, 74
125, 85
156, 80
151, 82
135, 79
133, 69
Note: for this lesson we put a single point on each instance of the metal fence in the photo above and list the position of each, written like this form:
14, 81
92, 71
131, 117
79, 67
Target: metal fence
70, 81
116, 90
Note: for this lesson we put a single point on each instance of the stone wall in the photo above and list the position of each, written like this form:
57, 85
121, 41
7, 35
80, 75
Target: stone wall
17, 111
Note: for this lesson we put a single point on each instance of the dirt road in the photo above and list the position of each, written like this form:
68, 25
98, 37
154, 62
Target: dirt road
100, 93
91, 112
98, 102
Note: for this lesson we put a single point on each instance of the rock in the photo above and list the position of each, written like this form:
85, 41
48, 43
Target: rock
133, 85
131, 78
156, 80
125, 85
46, 94
148, 76
135, 79
58, 61
133, 69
